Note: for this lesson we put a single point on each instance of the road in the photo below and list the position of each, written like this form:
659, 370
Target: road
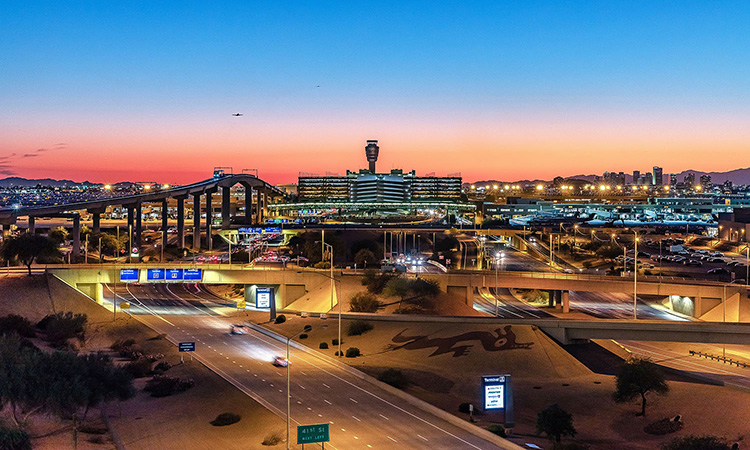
360, 415
507, 305
676, 355
605, 305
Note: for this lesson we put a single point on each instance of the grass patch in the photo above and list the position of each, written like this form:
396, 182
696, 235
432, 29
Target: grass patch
273, 438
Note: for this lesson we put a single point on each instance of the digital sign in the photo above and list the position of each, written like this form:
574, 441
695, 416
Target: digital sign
129, 275
173, 275
263, 297
493, 390
192, 275
155, 275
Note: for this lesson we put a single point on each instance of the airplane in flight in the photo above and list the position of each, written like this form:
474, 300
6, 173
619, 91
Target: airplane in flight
237, 114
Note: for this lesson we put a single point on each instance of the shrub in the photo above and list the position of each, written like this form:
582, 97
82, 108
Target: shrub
393, 377
14, 439
323, 265
138, 368
352, 352
691, 442
303, 336
273, 438
120, 344
358, 327
323, 345
158, 337
662, 427
62, 326
162, 367
497, 429
364, 302
336, 342
21, 325
464, 408
225, 419
164, 386
280, 318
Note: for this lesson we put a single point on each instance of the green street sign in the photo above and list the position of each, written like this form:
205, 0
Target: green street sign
308, 434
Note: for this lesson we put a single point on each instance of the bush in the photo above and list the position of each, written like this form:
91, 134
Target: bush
62, 326
662, 427
14, 439
393, 377
120, 344
138, 368
364, 302
497, 429
338, 353
323, 265
358, 327
464, 408
280, 318
225, 419
19, 324
336, 342
691, 442
303, 336
164, 386
323, 345
273, 438
352, 352
162, 367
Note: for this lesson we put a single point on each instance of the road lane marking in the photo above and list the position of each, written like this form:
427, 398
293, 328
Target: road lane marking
384, 417
327, 402
329, 387
303, 373
391, 439
355, 418
421, 437
353, 400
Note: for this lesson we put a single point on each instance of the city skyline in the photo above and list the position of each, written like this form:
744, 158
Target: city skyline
149, 93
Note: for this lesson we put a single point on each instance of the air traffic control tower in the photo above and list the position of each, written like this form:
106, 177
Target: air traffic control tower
371, 151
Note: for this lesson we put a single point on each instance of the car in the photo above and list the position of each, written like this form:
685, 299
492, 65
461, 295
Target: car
732, 263
692, 262
718, 254
280, 361
719, 271
238, 329
716, 260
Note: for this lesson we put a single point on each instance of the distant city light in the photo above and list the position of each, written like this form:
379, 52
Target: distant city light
108, 187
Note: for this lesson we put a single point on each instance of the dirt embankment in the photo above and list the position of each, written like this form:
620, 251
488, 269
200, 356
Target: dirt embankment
177, 422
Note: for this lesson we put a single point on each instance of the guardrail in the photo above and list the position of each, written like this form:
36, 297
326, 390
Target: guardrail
723, 359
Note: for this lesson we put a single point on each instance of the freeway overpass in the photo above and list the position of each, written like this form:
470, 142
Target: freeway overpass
704, 300
255, 188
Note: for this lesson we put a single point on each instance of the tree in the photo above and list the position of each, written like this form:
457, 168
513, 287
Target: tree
636, 378
691, 442
609, 251
28, 247
58, 235
363, 256
111, 245
555, 422
397, 287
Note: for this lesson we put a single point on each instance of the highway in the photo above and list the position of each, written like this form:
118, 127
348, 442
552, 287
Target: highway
605, 305
360, 415
507, 305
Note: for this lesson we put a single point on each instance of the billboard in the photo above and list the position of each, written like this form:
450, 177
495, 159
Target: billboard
263, 298
192, 275
173, 275
129, 275
155, 275
493, 391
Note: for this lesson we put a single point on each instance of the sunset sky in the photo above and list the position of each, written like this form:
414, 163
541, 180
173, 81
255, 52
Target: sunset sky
145, 91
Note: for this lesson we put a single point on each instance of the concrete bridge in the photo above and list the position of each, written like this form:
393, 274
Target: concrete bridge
704, 300
255, 190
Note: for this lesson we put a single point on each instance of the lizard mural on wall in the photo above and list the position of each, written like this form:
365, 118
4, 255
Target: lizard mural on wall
501, 339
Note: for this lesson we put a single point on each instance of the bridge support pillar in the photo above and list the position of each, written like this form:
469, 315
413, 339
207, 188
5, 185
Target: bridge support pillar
259, 207
138, 225
225, 208
76, 236
164, 224
248, 204
551, 298
566, 301
196, 222
96, 218
31, 224
181, 222
209, 221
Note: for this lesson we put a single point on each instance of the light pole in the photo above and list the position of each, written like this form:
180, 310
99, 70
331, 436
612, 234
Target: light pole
330, 247
288, 393
497, 265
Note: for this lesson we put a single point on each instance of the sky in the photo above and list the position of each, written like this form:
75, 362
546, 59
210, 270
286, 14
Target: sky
145, 91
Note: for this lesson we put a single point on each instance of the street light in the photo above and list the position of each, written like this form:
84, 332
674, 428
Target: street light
330, 247
288, 393
635, 275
